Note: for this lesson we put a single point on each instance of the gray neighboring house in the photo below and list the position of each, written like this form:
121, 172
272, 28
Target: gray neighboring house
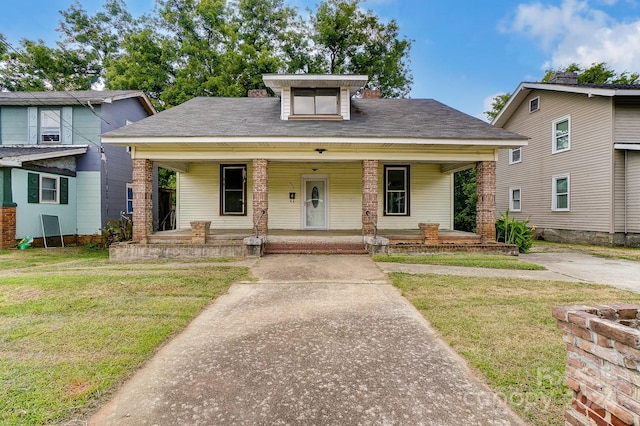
578, 179
313, 159
52, 161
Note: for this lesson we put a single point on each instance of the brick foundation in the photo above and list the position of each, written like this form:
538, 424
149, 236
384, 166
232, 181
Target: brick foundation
603, 345
7, 227
142, 200
261, 194
486, 205
369, 195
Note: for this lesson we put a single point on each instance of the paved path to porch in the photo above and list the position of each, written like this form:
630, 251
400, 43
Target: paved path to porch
318, 340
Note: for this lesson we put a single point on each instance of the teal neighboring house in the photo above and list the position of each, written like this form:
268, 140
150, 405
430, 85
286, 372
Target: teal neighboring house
52, 161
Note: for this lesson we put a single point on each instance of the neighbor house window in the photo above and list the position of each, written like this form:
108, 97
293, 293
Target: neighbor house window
560, 201
561, 136
515, 199
396, 190
534, 104
515, 155
233, 189
315, 101
129, 198
49, 189
50, 126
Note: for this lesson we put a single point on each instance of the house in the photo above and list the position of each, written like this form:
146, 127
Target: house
52, 162
311, 160
578, 179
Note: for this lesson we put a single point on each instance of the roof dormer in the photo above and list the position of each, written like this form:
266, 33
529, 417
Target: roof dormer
315, 96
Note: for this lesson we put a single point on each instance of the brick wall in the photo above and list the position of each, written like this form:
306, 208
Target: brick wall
369, 194
7, 227
200, 231
603, 358
261, 194
429, 232
142, 199
486, 206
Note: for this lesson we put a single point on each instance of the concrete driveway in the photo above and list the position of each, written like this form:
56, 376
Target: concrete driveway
320, 340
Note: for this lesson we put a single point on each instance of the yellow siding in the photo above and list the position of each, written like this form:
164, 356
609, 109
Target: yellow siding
431, 199
344, 193
199, 198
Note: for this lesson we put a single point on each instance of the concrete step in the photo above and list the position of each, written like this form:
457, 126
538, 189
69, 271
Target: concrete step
314, 248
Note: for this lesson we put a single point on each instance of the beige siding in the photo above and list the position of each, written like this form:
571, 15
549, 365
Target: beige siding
345, 103
627, 122
632, 192
286, 103
431, 199
199, 198
588, 162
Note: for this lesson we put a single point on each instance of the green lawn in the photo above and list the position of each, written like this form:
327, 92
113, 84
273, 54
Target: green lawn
73, 325
461, 259
504, 328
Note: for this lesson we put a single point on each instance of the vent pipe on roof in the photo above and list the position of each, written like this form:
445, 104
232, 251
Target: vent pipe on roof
564, 78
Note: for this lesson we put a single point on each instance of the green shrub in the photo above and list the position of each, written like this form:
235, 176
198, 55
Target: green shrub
512, 231
117, 230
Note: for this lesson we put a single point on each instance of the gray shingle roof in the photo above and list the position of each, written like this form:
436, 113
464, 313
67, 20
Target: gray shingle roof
260, 117
70, 97
22, 150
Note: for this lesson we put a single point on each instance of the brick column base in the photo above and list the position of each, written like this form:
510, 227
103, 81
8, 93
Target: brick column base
261, 194
369, 195
429, 232
142, 200
7, 227
486, 206
199, 231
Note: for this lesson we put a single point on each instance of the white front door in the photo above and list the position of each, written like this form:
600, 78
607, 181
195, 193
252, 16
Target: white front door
314, 211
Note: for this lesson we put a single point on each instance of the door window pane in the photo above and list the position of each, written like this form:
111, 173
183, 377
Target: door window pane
233, 189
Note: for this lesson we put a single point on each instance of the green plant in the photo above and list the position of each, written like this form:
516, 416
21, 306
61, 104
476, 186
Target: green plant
512, 231
117, 230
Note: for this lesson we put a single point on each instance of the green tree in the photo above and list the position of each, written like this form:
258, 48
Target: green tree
464, 200
497, 103
597, 73
351, 40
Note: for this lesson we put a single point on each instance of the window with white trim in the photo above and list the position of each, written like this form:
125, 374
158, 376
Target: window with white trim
49, 189
561, 135
515, 155
396, 190
233, 189
50, 126
316, 101
561, 191
129, 198
515, 200
534, 104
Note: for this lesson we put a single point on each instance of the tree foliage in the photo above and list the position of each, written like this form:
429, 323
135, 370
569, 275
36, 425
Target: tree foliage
464, 200
187, 48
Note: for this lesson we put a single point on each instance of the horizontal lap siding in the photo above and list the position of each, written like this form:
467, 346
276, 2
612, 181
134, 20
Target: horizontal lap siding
588, 162
627, 130
199, 198
633, 192
344, 189
430, 198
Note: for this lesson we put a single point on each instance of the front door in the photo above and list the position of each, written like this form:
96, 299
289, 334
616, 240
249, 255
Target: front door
314, 214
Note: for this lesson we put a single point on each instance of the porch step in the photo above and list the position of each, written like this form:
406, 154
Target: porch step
314, 248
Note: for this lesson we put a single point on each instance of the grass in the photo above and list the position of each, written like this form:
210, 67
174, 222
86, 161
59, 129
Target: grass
624, 253
504, 328
470, 260
73, 325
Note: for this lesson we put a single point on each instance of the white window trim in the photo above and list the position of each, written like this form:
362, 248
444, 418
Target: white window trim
511, 207
129, 186
42, 130
41, 187
554, 194
553, 134
511, 161
531, 102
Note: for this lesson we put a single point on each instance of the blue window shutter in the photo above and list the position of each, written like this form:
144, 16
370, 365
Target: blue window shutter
64, 190
33, 188
32, 119
66, 124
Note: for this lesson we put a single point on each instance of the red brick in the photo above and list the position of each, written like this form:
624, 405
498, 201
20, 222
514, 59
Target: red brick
580, 318
575, 330
615, 421
574, 419
628, 336
599, 421
486, 203
142, 199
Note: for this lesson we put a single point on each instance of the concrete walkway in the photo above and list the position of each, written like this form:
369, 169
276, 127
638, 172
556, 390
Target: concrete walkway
320, 340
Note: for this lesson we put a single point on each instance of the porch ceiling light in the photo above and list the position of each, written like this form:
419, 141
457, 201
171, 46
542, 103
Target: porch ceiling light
320, 150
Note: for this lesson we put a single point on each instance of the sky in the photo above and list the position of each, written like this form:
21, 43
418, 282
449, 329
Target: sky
463, 52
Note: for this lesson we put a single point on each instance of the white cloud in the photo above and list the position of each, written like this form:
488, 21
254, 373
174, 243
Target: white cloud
577, 32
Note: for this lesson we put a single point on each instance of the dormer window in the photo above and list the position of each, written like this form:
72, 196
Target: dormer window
316, 101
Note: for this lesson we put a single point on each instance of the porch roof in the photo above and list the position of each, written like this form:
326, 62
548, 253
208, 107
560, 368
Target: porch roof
15, 156
371, 119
